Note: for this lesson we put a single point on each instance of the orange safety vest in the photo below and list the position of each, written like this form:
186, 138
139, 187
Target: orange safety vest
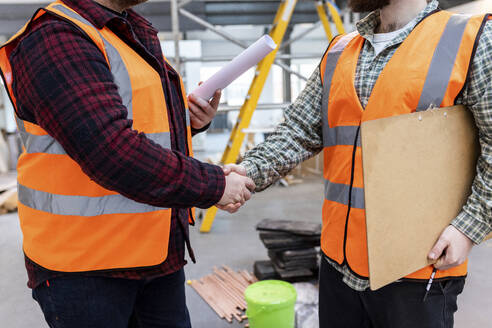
70, 223
429, 68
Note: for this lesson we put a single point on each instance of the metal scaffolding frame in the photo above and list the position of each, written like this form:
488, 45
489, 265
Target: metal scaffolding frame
14, 13
177, 10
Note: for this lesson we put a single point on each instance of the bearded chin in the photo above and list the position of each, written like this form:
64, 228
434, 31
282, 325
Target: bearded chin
362, 6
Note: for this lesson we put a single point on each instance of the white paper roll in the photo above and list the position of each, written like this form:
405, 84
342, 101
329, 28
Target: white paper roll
236, 67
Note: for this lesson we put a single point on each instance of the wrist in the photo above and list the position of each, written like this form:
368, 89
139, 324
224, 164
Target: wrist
473, 228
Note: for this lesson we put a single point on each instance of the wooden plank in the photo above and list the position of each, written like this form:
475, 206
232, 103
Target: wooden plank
223, 291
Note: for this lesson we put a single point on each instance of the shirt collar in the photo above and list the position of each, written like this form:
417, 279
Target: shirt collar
367, 26
100, 16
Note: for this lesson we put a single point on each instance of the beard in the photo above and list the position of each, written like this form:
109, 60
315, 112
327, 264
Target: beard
362, 6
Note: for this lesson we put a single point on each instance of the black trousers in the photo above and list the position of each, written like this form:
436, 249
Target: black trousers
98, 302
399, 305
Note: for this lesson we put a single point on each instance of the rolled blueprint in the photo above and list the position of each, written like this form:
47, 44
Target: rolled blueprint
236, 67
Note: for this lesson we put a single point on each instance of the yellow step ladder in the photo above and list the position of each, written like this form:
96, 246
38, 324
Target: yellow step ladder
277, 32
327, 6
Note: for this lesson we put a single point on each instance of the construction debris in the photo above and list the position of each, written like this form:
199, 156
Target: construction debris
223, 291
292, 248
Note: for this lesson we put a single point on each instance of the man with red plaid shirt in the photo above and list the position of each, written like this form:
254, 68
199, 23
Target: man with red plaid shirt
61, 83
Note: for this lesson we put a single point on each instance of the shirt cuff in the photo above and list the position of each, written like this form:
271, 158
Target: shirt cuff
471, 227
215, 187
251, 171
194, 131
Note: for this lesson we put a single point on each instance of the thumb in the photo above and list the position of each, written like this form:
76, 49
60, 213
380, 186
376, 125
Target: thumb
216, 99
438, 249
227, 169
440, 263
239, 169
250, 184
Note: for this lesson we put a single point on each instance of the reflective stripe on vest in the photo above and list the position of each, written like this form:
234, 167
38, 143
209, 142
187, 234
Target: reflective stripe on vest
81, 205
48, 145
442, 63
415, 78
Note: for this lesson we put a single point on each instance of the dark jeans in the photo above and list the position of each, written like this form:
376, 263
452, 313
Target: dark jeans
399, 305
98, 302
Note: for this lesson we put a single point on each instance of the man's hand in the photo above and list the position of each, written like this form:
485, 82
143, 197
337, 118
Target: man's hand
451, 249
239, 169
237, 192
202, 112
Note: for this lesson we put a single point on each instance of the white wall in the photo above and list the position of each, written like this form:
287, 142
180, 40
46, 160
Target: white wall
474, 7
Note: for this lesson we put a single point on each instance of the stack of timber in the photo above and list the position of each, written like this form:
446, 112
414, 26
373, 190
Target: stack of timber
292, 249
8, 193
223, 291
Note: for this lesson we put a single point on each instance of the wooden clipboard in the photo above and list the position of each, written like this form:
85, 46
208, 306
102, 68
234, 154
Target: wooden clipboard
418, 172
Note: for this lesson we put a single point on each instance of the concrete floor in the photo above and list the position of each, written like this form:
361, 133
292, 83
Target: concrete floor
233, 241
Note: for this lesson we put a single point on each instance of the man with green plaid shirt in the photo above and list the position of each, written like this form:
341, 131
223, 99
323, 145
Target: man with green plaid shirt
345, 300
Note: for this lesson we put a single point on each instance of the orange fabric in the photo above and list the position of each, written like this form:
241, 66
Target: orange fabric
344, 239
76, 182
413, 63
460, 70
340, 158
34, 129
154, 119
356, 246
348, 100
136, 240
333, 226
72, 243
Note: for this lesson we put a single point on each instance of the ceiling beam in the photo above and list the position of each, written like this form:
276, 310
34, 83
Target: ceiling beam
217, 12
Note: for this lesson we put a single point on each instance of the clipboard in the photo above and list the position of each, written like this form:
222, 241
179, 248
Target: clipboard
418, 171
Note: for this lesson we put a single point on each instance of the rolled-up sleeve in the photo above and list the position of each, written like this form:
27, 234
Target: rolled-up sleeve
475, 220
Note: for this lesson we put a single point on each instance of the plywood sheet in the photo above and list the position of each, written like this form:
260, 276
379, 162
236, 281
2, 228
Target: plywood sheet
418, 171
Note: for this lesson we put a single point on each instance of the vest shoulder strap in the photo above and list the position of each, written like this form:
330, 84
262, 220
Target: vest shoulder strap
68, 14
330, 61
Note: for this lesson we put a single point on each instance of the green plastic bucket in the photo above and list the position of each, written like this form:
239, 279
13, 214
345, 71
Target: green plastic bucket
271, 304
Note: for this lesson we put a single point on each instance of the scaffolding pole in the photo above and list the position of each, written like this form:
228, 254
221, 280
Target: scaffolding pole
176, 34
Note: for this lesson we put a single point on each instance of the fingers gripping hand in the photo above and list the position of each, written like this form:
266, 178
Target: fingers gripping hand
236, 192
202, 112
239, 169
451, 250
231, 208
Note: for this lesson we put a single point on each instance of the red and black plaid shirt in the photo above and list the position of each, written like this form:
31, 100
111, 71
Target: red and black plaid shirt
62, 83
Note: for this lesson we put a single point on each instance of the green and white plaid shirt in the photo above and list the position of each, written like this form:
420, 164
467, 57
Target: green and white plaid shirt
300, 136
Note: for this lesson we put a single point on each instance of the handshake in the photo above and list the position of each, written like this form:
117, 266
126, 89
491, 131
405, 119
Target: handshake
237, 190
